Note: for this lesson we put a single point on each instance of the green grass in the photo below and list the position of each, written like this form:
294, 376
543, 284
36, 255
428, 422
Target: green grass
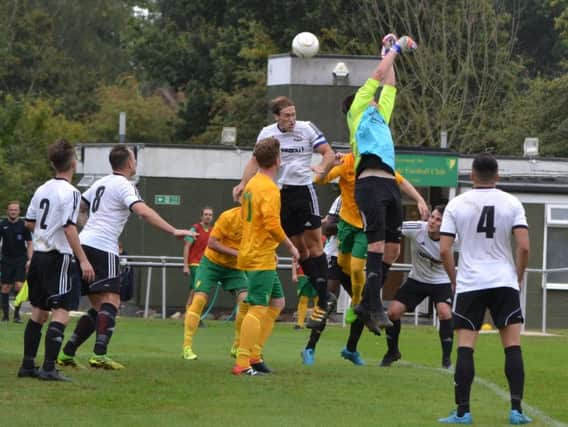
158, 388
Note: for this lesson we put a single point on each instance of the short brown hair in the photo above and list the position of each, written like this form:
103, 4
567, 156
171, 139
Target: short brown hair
119, 156
279, 103
61, 155
266, 152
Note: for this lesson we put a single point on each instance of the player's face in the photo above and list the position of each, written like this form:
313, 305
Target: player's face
207, 216
434, 222
286, 119
13, 211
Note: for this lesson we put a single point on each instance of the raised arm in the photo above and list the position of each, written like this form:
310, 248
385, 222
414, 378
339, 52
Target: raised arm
411, 191
250, 169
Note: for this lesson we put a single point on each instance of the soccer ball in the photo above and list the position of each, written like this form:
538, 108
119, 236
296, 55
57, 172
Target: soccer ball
305, 45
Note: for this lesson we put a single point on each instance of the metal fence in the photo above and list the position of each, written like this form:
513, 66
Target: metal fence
284, 263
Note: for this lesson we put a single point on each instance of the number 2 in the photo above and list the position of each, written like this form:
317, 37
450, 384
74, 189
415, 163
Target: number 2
44, 204
486, 222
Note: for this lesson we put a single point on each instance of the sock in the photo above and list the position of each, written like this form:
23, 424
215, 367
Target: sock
32, 337
6, 304
319, 280
16, 312
345, 281
243, 308
446, 337
302, 310
250, 333
192, 317
372, 291
515, 372
84, 329
463, 378
104, 327
53, 341
314, 337
266, 327
392, 335
357, 279
355, 334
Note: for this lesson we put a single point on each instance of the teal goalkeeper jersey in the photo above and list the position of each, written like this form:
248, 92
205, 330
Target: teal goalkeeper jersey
374, 134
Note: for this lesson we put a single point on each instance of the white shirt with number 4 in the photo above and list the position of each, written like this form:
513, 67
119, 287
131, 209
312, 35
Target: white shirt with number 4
483, 219
110, 199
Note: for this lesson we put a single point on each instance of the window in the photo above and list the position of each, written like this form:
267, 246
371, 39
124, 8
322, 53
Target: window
556, 241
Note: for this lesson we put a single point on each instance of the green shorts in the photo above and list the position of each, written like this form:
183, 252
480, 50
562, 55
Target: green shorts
352, 240
263, 286
210, 274
305, 288
192, 274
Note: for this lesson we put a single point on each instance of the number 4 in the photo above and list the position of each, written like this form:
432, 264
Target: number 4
486, 222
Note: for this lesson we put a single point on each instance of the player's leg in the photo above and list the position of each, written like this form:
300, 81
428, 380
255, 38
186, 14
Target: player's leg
84, 328
470, 309
305, 290
442, 298
18, 283
191, 323
242, 309
104, 329
235, 282
32, 338
506, 312
5, 299
53, 341
21, 297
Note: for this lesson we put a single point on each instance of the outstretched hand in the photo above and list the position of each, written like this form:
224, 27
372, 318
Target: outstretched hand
238, 192
181, 233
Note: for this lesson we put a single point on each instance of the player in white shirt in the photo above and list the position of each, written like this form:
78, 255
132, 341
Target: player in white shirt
427, 279
51, 216
489, 278
108, 203
300, 215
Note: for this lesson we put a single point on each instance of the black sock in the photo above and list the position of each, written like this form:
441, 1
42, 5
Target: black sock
105, 327
85, 327
319, 280
345, 281
355, 334
314, 337
446, 337
392, 336
6, 304
515, 372
16, 312
32, 337
53, 341
463, 378
372, 291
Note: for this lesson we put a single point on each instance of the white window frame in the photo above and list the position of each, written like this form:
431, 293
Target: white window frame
549, 223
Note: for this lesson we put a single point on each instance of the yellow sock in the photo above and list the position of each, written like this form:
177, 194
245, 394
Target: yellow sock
266, 327
192, 317
302, 310
250, 333
357, 279
344, 262
241, 313
316, 299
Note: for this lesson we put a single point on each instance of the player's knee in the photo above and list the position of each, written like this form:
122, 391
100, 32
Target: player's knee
278, 303
395, 311
444, 311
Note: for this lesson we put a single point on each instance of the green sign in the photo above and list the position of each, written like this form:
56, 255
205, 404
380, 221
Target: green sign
424, 170
167, 199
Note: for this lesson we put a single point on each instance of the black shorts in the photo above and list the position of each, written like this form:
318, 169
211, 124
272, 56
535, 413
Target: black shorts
107, 272
13, 270
378, 200
412, 292
50, 281
333, 269
299, 209
503, 303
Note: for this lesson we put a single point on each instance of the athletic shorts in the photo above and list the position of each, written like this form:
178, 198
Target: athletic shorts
210, 274
13, 270
352, 240
50, 281
412, 292
192, 275
263, 286
305, 288
333, 269
378, 200
503, 303
299, 209
107, 272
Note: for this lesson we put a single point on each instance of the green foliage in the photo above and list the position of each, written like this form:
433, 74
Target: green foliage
27, 127
148, 118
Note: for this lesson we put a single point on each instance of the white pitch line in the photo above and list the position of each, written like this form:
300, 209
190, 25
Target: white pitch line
531, 410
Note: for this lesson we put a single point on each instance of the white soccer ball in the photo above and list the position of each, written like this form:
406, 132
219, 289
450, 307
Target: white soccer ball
305, 45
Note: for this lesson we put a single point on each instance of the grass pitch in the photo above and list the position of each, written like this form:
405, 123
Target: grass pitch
159, 388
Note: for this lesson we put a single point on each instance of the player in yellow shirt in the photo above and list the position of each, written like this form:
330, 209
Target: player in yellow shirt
218, 265
262, 233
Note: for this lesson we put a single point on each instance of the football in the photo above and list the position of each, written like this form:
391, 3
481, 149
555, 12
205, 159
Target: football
305, 45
